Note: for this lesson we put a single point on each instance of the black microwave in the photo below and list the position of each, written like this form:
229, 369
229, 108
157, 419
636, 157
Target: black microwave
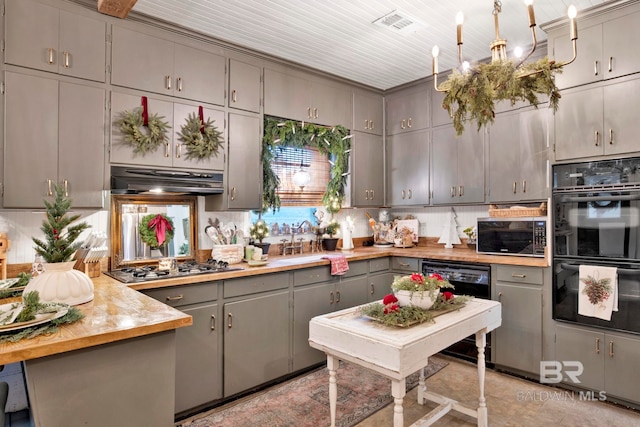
522, 236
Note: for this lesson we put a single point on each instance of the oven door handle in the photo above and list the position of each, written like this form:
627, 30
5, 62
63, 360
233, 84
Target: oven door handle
574, 199
625, 271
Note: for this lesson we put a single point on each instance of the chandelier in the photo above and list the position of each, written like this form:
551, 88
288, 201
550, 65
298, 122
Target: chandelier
472, 90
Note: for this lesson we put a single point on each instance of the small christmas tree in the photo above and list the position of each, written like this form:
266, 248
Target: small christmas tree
60, 237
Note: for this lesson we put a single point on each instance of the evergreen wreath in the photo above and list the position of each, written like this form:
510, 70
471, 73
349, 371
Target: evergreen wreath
148, 233
472, 95
332, 141
143, 142
60, 237
202, 139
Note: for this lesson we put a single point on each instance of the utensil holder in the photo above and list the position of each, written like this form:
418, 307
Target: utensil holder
92, 269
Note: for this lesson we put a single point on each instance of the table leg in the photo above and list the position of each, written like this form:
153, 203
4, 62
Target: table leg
398, 390
422, 387
481, 340
332, 365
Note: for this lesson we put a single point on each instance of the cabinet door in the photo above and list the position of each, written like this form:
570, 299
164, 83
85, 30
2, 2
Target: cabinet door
199, 75
256, 341
504, 158
244, 86
243, 186
331, 105
122, 152
534, 152
444, 164
587, 66
367, 113
198, 372
368, 170
621, 124
471, 166
180, 158
439, 116
308, 302
31, 139
578, 124
408, 169
588, 347
141, 61
351, 292
287, 96
379, 286
622, 376
519, 338
82, 47
81, 146
407, 110
621, 38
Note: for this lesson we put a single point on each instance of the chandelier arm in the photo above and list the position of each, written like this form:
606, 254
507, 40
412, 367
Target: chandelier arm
533, 48
575, 53
435, 83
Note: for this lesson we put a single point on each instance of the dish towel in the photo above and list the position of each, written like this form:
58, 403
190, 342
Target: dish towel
598, 291
339, 264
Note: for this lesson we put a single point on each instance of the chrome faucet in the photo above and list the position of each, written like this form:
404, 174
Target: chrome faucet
293, 246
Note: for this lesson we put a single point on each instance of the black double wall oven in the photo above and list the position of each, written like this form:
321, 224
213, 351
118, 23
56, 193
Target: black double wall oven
596, 221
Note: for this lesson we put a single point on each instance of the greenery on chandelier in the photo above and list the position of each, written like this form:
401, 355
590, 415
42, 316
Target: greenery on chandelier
143, 141
332, 141
472, 95
201, 138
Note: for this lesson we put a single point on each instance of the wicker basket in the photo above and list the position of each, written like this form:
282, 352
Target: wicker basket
232, 254
541, 210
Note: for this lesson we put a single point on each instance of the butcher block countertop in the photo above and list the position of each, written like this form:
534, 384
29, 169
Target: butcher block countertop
116, 313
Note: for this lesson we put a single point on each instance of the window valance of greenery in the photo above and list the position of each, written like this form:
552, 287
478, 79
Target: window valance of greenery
332, 141
472, 95
131, 124
201, 138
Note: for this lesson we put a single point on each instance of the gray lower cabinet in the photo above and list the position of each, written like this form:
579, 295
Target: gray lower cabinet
379, 279
367, 172
405, 265
54, 132
609, 360
407, 169
518, 341
198, 347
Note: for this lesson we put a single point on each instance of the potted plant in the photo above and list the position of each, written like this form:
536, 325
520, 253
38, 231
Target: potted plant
330, 243
471, 236
258, 231
418, 290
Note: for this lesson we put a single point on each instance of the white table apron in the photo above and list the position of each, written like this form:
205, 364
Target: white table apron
396, 353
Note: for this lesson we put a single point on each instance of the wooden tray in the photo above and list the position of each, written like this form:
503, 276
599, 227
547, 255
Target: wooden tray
434, 314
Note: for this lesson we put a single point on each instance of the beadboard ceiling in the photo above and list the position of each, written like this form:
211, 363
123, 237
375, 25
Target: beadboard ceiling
339, 37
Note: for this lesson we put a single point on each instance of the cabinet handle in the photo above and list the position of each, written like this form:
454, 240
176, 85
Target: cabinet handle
167, 149
168, 82
461, 190
233, 96
366, 194
519, 276
213, 322
233, 193
373, 194
176, 298
331, 297
595, 67
499, 296
610, 348
410, 193
515, 187
404, 264
315, 113
178, 151
51, 56
309, 113
49, 190
66, 187
229, 320
373, 289
371, 125
409, 122
453, 191
366, 124
524, 185
66, 59
611, 136
610, 63
337, 297
596, 135
597, 345
402, 194
402, 126
179, 84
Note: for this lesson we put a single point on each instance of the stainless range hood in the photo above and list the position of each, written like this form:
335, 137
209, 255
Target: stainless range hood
131, 180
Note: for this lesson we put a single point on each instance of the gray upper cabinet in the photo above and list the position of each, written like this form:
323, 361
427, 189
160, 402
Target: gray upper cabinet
407, 169
518, 156
457, 166
597, 121
45, 38
367, 113
245, 84
407, 110
141, 61
292, 96
54, 132
367, 171
439, 116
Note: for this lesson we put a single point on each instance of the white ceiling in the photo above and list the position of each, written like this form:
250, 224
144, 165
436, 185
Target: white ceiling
339, 37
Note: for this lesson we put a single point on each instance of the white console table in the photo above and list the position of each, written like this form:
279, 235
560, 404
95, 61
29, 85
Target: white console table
397, 352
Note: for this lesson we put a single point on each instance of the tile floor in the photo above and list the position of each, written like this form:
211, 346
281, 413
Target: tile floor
511, 402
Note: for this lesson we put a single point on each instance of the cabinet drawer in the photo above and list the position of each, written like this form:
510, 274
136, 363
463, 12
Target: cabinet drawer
516, 274
176, 296
312, 275
405, 264
255, 284
356, 268
380, 264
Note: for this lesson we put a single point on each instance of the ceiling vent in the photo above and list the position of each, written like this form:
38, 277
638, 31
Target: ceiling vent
399, 22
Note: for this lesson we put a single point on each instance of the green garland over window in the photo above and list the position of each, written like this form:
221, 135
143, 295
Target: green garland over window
332, 141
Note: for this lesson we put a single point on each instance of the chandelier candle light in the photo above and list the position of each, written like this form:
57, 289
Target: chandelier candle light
472, 91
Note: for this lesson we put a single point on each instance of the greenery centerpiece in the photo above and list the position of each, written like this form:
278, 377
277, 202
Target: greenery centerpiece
418, 283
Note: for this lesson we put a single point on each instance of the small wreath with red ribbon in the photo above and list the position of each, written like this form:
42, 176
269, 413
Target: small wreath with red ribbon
143, 131
201, 138
156, 230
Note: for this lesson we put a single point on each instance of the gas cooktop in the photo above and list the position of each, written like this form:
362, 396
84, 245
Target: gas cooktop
151, 272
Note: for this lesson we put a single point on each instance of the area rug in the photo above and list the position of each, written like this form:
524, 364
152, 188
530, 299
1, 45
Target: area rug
304, 401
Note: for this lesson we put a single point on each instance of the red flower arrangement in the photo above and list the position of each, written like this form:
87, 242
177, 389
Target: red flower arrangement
390, 303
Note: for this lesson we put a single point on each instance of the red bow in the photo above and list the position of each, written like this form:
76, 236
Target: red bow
162, 225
